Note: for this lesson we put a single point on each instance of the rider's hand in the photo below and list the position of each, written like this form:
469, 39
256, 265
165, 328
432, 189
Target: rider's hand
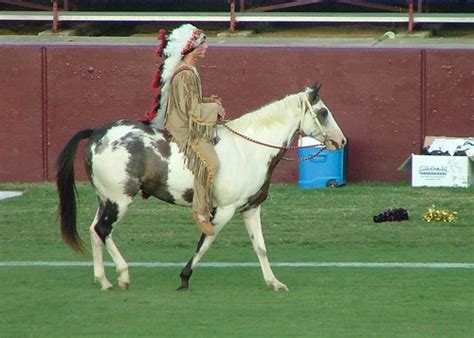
221, 114
216, 98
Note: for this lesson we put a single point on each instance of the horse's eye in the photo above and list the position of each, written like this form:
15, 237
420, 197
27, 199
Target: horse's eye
323, 113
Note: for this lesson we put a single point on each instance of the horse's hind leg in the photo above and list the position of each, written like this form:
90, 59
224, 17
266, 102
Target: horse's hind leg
254, 228
101, 234
97, 256
120, 263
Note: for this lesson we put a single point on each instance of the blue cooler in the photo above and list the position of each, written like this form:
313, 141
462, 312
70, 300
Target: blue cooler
325, 170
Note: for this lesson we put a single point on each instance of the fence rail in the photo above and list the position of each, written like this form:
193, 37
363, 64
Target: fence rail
87, 16
259, 14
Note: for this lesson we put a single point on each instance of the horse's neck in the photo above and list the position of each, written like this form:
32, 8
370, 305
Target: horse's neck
275, 123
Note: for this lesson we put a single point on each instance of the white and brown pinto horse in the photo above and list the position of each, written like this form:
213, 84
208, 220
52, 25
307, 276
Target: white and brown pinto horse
126, 157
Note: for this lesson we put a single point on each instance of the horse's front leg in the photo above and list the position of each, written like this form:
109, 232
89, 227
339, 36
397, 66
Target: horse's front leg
221, 218
254, 228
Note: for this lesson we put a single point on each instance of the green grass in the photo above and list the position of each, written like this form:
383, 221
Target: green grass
299, 225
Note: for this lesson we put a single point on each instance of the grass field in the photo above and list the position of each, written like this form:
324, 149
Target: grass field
299, 226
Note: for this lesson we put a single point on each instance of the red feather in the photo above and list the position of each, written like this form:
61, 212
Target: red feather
149, 115
155, 83
161, 41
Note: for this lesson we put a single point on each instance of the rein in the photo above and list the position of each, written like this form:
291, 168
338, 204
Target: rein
306, 158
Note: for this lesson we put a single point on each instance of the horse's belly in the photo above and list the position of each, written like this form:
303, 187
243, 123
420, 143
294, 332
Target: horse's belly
180, 179
234, 185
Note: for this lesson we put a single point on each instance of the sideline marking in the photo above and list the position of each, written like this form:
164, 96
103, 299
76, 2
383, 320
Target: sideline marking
248, 264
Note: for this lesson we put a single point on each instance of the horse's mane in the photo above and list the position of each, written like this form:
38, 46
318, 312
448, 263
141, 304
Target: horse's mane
270, 114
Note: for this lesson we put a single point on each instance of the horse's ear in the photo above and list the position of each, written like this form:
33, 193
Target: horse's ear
314, 92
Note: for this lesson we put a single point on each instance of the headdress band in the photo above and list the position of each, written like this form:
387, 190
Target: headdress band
192, 41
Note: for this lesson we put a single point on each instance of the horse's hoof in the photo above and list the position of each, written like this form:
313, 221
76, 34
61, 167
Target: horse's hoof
105, 285
182, 288
280, 288
124, 285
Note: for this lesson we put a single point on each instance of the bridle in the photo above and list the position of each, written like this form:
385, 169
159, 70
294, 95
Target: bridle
306, 104
313, 115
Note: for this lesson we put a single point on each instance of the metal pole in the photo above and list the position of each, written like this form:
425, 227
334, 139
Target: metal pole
232, 17
55, 16
410, 16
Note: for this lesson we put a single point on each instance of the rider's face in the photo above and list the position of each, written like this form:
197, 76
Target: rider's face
200, 51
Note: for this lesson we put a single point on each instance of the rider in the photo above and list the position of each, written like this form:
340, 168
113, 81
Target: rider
186, 115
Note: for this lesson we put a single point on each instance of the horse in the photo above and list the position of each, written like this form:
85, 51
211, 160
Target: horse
127, 157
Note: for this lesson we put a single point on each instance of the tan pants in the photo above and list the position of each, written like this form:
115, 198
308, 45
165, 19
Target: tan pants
204, 178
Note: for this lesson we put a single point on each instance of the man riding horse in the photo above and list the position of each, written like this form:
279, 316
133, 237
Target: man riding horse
126, 157
186, 115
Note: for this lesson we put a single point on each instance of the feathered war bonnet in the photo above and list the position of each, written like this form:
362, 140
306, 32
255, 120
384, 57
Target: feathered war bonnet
172, 47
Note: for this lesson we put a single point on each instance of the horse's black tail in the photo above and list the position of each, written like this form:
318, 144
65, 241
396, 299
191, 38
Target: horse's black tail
67, 191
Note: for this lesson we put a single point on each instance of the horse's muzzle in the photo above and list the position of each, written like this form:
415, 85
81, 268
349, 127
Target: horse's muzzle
334, 145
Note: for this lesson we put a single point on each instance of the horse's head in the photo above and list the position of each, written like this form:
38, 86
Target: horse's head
317, 120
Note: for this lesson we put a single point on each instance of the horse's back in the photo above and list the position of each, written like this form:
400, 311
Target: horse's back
114, 138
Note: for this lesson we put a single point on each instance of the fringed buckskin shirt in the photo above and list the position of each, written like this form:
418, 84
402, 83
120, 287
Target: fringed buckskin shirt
189, 115
191, 120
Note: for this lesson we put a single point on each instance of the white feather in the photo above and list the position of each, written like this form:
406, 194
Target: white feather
177, 42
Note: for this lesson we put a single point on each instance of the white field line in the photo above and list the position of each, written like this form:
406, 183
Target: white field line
248, 264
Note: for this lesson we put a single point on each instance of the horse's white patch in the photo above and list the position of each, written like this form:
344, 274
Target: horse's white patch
9, 194
118, 132
180, 178
111, 166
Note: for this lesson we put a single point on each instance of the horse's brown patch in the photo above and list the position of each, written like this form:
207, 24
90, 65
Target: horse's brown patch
188, 195
147, 167
155, 181
261, 195
163, 148
314, 93
101, 145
